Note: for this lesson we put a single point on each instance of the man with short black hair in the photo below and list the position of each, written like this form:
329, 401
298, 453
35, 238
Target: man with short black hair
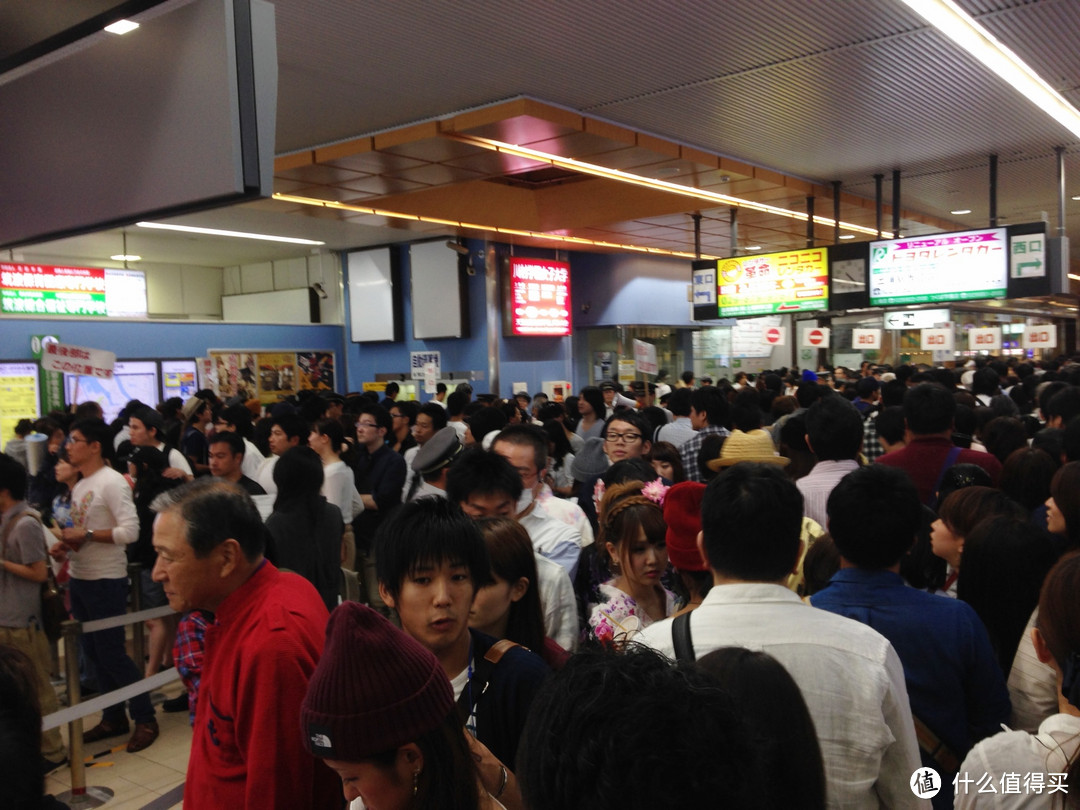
680, 429
440, 395
287, 430
484, 484
928, 412
708, 412
834, 433
261, 651
392, 389
850, 676
227, 461
146, 428
957, 691
237, 419
23, 567
380, 477
432, 561
455, 412
104, 521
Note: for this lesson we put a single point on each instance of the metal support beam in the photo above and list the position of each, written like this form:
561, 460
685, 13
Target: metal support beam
896, 203
734, 231
993, 191
696, 216
878, 178
810, 221
836, 211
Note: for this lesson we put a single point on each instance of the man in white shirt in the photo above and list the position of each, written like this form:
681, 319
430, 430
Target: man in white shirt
287, 430
680, 429
834, 432
105, 520
485, 485
237, 419
849, 674
146, 428
525, 447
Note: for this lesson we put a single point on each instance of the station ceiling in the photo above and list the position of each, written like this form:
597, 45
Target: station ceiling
398, 114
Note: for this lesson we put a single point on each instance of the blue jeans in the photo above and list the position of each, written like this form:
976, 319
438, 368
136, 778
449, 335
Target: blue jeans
99, 599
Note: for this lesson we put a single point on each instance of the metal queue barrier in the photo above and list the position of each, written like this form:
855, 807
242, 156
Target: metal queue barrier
80, 795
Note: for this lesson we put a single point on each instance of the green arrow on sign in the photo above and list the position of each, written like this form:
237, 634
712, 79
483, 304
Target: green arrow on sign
1036, 264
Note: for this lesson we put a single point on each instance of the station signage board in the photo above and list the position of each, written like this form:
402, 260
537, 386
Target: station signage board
964, 266
86, 292
539, 298
773, 283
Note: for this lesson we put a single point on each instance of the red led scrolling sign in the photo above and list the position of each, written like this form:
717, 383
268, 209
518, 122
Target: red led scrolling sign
539, 297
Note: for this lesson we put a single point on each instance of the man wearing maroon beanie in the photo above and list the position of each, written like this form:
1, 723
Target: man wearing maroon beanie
247, 750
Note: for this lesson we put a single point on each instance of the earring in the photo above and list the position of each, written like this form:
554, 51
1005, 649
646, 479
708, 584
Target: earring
415, 782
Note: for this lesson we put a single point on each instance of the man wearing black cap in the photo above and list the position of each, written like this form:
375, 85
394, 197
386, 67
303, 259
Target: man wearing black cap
431, 463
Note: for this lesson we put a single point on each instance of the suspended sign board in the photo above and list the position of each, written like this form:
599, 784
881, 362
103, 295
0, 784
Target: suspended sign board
539, 297
985, 339
866, 339
965, 266
39, 289
772, 283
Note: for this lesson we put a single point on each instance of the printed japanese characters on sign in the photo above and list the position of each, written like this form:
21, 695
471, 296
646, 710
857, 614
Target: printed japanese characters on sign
792, 281
77, 360
27, 289
540, 297
962, 266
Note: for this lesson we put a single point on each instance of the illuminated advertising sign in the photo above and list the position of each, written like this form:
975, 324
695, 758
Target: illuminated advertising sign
539, 297
34, 289
965, 266
772, 283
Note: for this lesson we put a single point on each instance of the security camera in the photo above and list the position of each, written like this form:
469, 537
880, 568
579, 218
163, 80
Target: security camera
320, 290
458, 248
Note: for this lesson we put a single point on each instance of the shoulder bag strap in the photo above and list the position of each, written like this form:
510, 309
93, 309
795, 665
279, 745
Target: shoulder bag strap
950, 460
680, 637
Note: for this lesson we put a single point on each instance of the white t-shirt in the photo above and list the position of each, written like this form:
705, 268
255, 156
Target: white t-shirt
103, 501
339, 488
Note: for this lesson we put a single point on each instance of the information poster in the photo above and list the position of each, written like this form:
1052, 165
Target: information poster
178, 378
315, 371
965, 266
31, 289
18, 396
269, 376
792, 281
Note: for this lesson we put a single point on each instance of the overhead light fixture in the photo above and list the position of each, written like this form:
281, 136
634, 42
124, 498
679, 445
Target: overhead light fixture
592, 169
961, 28
121, 27
752, 247
847, 236
292, 240
1074, 277
960, 212
126, 257
1077, 197
474, 226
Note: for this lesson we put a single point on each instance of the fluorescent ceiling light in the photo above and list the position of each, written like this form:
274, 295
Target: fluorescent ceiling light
752, 247
126, 257
1074, 277
473, 226
957, 25
1077, 197
292, 240
121, 27
592, 169
847, 236
960, 211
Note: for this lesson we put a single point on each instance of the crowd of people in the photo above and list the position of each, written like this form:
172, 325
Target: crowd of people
802, 589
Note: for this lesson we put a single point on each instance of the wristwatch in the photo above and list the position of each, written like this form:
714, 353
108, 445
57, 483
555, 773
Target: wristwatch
89, 536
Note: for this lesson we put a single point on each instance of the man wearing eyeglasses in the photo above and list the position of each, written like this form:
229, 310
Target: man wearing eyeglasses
380, 478
104, 521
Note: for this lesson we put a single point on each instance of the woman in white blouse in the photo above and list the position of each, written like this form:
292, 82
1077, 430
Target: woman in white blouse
339, 485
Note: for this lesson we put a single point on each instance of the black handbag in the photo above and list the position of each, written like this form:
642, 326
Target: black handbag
53, 610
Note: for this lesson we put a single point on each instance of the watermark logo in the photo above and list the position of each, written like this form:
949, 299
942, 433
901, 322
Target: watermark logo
925, 783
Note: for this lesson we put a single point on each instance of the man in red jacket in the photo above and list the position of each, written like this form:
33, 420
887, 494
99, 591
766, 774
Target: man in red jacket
247, 749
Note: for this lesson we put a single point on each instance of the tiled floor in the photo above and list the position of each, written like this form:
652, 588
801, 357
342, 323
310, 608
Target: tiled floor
135, 779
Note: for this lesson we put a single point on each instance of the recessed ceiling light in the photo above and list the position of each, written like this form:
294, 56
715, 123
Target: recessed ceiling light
238, 234
121, 27
126, 257
960, 211
847, 236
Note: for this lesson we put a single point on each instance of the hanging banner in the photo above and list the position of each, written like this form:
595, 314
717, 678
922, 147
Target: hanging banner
866, 339
985, 338
1040, 337
775, 335
816, 337
937, 339
645, 357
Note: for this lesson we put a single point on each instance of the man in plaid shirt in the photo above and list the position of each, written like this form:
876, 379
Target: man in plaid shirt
188, 653
708, 412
